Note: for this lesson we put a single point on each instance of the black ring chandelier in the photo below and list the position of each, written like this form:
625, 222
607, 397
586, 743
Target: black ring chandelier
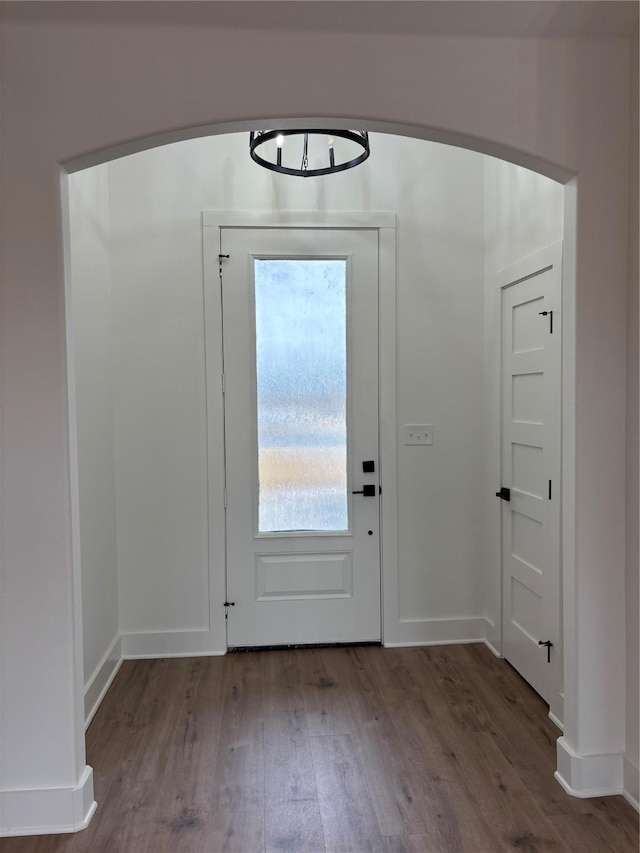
258, 138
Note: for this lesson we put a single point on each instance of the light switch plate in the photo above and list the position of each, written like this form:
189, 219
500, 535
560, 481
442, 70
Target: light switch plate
418, 433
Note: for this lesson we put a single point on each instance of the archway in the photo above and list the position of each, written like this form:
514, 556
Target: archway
461, 142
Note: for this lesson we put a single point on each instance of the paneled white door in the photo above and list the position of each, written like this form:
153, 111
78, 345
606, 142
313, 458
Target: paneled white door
531, 440
300, 333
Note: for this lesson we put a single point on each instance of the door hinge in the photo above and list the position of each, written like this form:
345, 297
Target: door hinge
549, 489
549, 646
504, 493
226, 606
550, 315
221, 258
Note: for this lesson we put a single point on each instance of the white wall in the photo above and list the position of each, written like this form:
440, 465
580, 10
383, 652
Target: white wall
632, 723
92, 339
523, 213
84, 78
161, 461
156, 202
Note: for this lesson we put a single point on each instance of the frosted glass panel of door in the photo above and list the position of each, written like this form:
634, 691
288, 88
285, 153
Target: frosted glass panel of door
301, 389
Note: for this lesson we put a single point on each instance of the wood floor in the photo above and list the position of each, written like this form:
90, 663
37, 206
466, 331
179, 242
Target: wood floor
424, 750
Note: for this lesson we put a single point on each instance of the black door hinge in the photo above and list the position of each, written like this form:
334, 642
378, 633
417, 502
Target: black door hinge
221, 258
549, 645
226, 606
550, 315
504, 494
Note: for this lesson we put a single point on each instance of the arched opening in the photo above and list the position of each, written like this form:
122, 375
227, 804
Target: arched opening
231, 189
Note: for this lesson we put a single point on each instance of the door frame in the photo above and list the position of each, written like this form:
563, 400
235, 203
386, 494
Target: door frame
384, 222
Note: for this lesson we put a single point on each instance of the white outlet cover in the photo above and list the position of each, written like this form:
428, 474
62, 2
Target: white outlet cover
418, 434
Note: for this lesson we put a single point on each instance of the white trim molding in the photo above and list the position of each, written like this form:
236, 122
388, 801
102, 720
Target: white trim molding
169, 644
556, 720
631, 789
338, 219
435, 632
556, 710
48, 811
589, 775
99, 682
493, 649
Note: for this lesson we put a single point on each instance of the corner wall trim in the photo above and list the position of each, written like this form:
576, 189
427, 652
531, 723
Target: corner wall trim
588, 775
101, 679
48, 811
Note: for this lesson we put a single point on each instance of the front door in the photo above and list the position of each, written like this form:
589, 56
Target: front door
531, 436
300, 332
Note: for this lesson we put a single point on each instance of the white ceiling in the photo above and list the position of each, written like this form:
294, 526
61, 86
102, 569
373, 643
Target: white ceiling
547, 18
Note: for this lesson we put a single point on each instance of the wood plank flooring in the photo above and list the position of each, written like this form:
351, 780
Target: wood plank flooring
422, 750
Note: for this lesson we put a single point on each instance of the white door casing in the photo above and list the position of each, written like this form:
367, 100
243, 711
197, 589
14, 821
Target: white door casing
531, 466
296, 587
384, 222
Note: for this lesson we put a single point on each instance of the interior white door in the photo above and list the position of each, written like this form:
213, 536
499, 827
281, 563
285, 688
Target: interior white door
531, 441
300, 332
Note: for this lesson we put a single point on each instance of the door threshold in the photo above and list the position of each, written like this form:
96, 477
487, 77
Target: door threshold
282, 647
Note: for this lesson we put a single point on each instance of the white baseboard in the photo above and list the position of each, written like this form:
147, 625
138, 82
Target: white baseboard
420, 643
556, 721
48, 811
589, 775
168, 644
631, 784
100, 681
493, 649
556, 710
493, 637
631, 800
436, 632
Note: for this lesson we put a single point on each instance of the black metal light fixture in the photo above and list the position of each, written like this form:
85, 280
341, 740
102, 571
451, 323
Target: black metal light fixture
298, 145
